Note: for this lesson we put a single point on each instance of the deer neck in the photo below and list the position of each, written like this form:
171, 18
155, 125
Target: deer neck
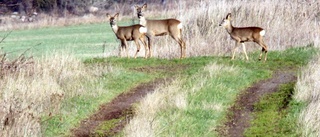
115, 28
229, 28
143, 21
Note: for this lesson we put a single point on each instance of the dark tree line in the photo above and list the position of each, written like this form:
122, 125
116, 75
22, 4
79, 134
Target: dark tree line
59, 7
47, 6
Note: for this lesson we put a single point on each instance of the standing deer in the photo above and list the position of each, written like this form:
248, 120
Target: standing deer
172, 27
245, 34
128, 33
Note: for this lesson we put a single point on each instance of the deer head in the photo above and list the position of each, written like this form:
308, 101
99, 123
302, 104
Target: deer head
140, 9
112, 19
226, 21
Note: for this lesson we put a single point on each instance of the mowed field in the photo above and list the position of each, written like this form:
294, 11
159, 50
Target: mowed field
90, 40
72, 74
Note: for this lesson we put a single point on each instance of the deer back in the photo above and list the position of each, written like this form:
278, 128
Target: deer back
247, 33
165, 26
130, 32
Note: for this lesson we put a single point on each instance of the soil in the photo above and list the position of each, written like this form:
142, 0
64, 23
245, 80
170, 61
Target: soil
239, 115
121, 107
118, 108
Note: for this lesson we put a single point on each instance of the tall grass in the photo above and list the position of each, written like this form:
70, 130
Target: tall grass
307, 91
287, 24
44, 20
38, 90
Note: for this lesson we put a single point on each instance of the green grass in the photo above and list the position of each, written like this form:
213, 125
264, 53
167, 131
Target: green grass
208, 104
75, 109
218, 91
276, 115
209, 93
82, 40
127, 76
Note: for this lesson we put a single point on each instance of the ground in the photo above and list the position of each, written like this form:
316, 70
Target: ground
239, 114
120, 107
238, 119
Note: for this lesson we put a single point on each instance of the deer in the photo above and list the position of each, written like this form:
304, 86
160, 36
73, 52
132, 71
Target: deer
245, 34
129, 33
171, 27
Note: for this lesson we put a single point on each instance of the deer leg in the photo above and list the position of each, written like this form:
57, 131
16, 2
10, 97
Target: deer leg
264, 49
234, 50
125, 48
121, 49
244, 50
181, 44
138, 47
183, 48
266, 54
148, 48
143, 40
175, 32
150, 38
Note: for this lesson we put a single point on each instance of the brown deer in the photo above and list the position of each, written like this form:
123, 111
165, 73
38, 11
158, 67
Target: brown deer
245, 34
128, 33
172, 27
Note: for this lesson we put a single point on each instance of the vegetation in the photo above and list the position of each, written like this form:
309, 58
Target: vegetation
196, 105
307, 93
60, 7
81, 40
276, 114
57, 91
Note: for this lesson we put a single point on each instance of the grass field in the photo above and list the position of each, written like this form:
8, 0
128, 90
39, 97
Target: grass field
81, 40
195, 105
66, 82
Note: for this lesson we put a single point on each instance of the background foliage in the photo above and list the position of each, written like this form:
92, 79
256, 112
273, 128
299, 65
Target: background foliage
76, 7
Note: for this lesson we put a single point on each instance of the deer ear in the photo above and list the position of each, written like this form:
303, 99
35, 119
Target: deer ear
228, 16
136, 6
116, 15
144, 6
108, 15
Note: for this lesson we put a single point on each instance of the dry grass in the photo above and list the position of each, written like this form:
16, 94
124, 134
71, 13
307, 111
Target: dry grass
37, 90
148, 120
44, 20
307, 90
287, 24
145, 124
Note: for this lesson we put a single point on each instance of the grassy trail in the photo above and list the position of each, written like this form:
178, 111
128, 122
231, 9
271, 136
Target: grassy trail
195, 70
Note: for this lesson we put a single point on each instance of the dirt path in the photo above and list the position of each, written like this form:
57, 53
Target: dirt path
117, 108
240, 114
